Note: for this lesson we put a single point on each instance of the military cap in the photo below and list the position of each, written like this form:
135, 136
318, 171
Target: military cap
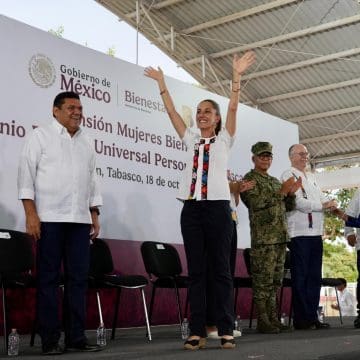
261, 147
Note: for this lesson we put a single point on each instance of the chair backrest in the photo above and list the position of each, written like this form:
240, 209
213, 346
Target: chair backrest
246, 255
332, 282
101, 261
16, 252
160, 259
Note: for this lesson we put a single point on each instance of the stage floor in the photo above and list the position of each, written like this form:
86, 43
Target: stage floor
340, 342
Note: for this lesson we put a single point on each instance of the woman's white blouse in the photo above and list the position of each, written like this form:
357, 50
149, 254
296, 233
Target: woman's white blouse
218, 187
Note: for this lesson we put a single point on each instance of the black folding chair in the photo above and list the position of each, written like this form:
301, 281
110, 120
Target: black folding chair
16, 263
286, 283
162, 263
325, 282
333, 282
243, 282
101, 276
246, 255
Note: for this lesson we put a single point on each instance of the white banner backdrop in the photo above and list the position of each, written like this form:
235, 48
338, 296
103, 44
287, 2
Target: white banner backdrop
140, 157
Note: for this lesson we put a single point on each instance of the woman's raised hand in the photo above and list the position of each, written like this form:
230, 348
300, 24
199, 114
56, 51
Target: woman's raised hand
153, 73
241, 64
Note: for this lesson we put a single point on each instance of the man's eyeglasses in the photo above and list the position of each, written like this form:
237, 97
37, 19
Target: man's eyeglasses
302, 154
265, 156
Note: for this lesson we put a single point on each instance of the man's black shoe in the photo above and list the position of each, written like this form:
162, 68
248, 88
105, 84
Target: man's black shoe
320, 325
53, 349
357, 322
303, 325
83, 347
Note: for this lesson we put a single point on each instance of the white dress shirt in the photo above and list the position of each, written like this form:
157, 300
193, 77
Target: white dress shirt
353, 209
217, 182
308, 200
347, 303
58, 172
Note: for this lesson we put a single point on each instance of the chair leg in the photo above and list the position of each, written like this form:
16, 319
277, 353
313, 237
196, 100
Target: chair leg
251, 313
291, 309
152, 303
178, 304
187, 304
4, 317
33, 332
116, 312
146, 314
337, 299
235, 300
280, 302
99, 306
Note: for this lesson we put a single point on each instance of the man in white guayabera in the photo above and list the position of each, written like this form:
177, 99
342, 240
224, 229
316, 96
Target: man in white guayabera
57, 185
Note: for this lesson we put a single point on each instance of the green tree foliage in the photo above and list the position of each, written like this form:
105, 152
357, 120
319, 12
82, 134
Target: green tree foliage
111, 51
59, 32
338, 259
334, 227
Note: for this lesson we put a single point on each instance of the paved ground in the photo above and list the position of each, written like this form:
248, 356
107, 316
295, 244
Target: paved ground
340, 342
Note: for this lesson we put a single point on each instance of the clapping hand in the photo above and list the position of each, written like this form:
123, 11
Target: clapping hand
330, 205
296, 186
339, 213
290, 186
245, 185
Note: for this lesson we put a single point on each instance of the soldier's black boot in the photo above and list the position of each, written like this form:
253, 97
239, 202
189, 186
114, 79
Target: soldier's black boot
273, 316
263, 323
357, 321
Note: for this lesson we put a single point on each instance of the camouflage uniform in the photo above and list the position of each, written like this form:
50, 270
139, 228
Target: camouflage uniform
267, 208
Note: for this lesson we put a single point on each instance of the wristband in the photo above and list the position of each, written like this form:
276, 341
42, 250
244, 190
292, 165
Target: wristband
95, 210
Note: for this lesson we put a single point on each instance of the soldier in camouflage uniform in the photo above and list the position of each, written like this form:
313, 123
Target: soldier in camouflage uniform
267, 203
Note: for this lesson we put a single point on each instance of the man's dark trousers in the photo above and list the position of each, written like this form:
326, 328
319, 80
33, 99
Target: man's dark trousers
306, 262
65, 244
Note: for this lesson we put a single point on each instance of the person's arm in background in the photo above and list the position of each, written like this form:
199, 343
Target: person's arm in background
306, 205
239, 186
95, 200
353, 209
351, 218
29, 159
33, 225
259, 198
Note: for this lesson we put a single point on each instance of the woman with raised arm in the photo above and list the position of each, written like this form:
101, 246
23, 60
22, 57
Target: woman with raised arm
206, 223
